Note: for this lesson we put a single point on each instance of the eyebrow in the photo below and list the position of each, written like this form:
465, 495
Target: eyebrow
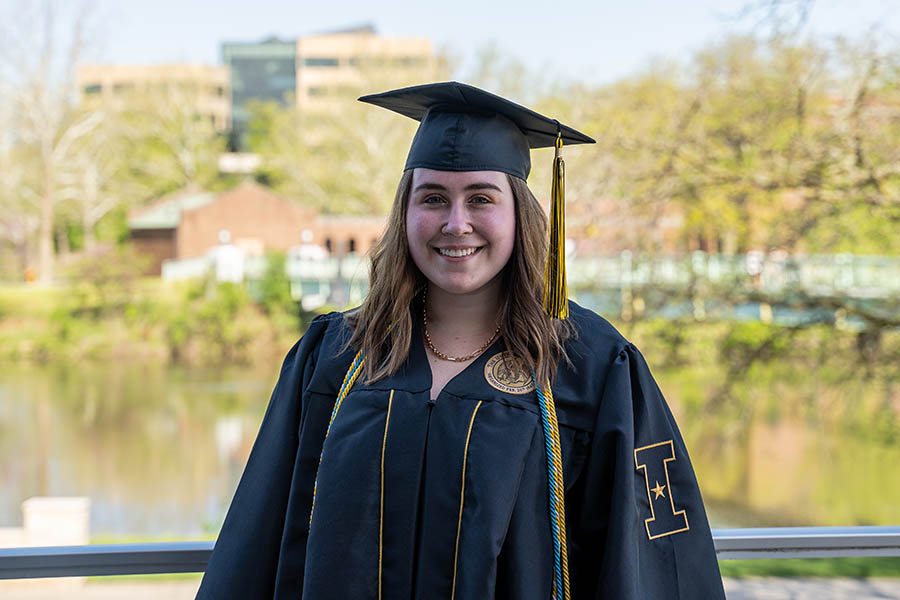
468, 188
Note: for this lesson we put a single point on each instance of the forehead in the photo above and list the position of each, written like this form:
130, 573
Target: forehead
457, 180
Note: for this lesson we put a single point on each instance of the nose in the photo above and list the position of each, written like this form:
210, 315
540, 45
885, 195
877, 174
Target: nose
457, 220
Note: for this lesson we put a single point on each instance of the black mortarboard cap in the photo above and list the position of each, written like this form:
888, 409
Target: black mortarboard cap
463, 128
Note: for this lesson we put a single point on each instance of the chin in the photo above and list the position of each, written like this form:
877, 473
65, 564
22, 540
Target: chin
459, 287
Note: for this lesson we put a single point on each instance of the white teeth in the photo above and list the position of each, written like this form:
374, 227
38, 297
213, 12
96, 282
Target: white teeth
457, 253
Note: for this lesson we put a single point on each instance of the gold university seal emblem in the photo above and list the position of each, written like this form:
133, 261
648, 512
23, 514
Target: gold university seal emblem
507, 373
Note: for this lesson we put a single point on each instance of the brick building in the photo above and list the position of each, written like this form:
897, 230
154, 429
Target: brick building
186, 224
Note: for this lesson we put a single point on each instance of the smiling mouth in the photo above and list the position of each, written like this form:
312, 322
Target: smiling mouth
457, 252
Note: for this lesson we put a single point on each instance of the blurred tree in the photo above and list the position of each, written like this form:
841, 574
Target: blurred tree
167, 142
496, 71
343, 161
802, 140
150, 142
17, 223
92, 179
274, 292
346, 157
778, 16
36, 90
756, 145
769, 145
104, 280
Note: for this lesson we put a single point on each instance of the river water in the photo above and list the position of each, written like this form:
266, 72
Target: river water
159, 451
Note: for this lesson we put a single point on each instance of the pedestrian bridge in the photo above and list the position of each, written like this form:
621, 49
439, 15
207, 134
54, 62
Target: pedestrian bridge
692, 284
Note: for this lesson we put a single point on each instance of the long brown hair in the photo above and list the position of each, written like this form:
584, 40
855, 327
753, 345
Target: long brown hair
382, 326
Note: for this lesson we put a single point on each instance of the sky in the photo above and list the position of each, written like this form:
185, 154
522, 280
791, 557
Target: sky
597, 41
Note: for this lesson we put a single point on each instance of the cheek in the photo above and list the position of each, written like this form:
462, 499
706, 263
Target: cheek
413, 226
505, 233
417, 232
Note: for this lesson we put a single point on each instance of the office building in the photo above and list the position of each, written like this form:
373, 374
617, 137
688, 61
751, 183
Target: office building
344, 63
264, 71
314, 70
205, 87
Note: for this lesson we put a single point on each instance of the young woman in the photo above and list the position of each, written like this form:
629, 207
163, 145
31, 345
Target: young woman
451, 439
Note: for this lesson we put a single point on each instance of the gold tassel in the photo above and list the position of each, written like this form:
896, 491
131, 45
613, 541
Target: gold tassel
555, 289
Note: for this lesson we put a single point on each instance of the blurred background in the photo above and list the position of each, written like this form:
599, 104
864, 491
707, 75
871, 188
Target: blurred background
183, 186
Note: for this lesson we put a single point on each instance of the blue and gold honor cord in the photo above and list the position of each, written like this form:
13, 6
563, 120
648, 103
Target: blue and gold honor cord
556, 489
556, 305
349, 379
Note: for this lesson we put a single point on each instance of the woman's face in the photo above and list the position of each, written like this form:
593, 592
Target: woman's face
460, 226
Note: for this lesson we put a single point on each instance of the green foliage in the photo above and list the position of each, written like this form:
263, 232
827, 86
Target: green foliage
753, 341
104, 280
266, 117
113, 227
191, 323
812, 567
168, 144
752, 369
274, 289
792, 428
776, 144
670, 339
222, 318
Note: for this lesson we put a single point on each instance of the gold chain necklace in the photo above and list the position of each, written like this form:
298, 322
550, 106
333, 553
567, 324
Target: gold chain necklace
443, 356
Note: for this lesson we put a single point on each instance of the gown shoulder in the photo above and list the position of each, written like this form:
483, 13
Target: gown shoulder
638, 525
582, 373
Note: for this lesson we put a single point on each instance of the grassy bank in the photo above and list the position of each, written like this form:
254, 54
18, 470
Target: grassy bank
108, 311
858, 568
198, 323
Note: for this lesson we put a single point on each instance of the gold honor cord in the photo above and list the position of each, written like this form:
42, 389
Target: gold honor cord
555, 288
387, 421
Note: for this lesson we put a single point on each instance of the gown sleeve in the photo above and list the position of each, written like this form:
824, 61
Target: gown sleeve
246, 555
642, 531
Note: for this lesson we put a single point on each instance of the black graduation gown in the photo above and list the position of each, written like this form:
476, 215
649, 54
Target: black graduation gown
448, 499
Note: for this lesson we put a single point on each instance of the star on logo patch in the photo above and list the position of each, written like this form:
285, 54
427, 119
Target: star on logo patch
654, 462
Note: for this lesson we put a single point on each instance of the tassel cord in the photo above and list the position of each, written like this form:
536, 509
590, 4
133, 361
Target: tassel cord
555, 286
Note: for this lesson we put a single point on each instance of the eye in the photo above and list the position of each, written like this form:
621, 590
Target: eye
480, 200
432, 200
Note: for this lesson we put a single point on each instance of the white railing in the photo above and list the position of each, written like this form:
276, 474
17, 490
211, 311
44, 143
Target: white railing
191, 557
